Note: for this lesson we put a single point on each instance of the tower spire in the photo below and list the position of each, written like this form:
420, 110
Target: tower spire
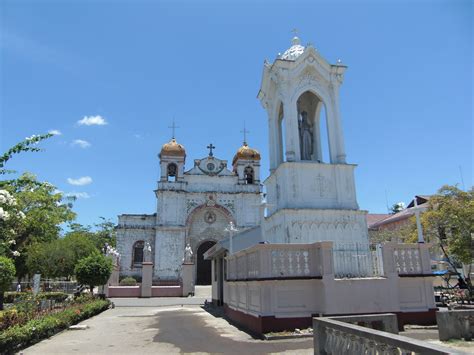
173, 129
245, 131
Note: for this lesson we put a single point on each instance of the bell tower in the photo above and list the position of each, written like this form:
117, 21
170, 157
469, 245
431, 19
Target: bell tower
308, 199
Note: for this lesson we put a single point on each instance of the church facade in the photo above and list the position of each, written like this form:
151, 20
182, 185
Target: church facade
194, 209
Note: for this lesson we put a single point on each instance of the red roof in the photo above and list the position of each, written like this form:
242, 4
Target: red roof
375, 217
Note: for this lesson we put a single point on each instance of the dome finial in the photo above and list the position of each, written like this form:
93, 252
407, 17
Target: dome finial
173, 127
245, 131
295, 40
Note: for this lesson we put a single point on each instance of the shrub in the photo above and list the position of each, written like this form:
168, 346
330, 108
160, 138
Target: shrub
55, 296
13, 296
7, 272
93, 270
128, 281
20, 336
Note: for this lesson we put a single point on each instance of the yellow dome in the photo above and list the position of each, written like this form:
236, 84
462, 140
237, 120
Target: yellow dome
246, 153
173, 148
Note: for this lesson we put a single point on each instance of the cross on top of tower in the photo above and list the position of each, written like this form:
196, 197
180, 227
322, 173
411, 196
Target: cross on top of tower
173, 129
245, 131
295, 32
211, 147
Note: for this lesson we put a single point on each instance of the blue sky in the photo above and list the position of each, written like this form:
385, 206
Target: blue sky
406, 102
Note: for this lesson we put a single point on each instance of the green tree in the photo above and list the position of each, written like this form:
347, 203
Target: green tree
7, 273
36, 216
449, 220
397, 207
58, 258
94, 270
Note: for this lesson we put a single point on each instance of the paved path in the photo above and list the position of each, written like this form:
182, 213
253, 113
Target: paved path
162, 330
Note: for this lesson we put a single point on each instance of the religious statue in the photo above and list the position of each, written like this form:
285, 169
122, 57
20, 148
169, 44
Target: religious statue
306, 136
147, 252
188, 254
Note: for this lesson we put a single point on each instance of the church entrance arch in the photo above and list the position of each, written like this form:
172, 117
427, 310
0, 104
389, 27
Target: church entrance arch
203, 274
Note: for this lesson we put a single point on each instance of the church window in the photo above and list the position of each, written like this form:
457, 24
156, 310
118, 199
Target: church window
248, 175
138, 253
172, 172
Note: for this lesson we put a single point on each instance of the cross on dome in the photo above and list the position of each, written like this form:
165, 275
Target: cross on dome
211, 147
173, 127
245, 131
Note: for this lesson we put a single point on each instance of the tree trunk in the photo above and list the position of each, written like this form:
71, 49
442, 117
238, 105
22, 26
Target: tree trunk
92, 289
1, 300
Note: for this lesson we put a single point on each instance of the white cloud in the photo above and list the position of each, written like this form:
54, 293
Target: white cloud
55, 132
84, 180
137, 136
92, 121
81, 143
78, 194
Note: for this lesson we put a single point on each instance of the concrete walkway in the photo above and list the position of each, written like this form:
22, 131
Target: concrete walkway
162, 329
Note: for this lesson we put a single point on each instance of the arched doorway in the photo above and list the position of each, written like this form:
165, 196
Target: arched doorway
203, 275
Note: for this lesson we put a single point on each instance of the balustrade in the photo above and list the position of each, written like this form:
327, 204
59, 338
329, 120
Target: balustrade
335, 337
270, 261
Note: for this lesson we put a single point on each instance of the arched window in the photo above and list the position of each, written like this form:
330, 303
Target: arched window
248, 175
138, 253
172, 172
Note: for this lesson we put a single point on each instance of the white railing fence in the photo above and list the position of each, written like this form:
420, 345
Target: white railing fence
353, 260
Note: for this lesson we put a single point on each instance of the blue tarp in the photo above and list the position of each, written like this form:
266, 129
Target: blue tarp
440, 272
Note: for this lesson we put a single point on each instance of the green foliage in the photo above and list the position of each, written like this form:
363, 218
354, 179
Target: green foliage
397, 207
13, 296
34, 217
7, 273
128, 281
450, 221
20, 336
104, 233
93, 270
53, 296
28, 145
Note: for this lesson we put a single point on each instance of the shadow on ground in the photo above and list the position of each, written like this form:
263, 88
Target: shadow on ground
191, 333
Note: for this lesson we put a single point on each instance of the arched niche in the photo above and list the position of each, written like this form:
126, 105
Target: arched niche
312, 119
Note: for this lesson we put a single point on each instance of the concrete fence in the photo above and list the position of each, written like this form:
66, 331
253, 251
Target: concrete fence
335, 337
342, 260
457, 324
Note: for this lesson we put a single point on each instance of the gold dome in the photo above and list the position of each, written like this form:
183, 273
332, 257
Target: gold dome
246, 153
173, 148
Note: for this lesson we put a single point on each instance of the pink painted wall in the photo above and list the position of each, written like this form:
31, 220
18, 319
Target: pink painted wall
166, 291
124, 291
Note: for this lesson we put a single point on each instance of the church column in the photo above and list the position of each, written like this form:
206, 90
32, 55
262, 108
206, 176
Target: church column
332, 132
273, 135
317, 148
341, 154
292, 136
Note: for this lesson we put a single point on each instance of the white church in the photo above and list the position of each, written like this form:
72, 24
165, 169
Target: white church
303, 249
194, 208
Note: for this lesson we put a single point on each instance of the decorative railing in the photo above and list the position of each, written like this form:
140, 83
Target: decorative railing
335, 337
273, 261
354, 260
407, 259
343, 260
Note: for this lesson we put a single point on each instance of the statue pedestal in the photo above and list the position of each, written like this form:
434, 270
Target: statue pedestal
188, 279
113, 279
147, 278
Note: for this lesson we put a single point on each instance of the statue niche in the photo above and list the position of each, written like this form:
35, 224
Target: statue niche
306, 136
